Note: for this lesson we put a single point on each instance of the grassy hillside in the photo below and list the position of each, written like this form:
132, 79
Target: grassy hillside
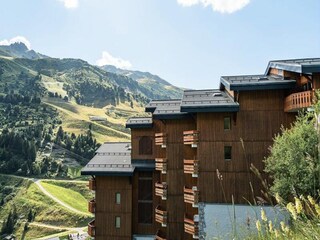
68, 196
76, 119
24, 195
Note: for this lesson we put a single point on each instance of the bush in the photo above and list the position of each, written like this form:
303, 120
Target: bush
294, 163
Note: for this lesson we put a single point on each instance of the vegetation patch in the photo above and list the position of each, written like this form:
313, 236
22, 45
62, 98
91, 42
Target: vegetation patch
76, 186
68, 196
27, 197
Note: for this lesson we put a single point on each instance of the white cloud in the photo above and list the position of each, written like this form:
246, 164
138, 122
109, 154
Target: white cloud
19, 39
70, 3
108, 59
222, 6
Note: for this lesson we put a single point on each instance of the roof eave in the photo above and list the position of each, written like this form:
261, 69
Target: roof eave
171, 116
141, 125
150, 109
284, 66
225, 83
195, 109
107, 173
260, 86
312, 68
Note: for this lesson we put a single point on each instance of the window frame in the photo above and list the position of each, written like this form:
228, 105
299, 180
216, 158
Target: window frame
224, 123
117, 222
227, 148
118, 194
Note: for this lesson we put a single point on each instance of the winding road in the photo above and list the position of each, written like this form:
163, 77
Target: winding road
38, 183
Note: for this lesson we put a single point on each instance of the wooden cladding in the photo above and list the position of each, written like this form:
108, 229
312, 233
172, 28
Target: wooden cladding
161, 190
191, 227
161, 165
191, 167
145, 145
91, 229
161, 139
191, 195
92, 206
160, 235
161, 216
92, 184
191, 138
297, 101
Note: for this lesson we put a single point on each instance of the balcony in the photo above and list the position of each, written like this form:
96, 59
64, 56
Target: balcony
161, 190
161, 216
298, 101
92, 206
191, 167
191, 195
160, 235
161, 139
191, 226
91, 229
92, 184
161, 165
191, 138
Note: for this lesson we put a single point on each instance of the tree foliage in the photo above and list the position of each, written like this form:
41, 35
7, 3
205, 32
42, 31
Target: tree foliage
294, 161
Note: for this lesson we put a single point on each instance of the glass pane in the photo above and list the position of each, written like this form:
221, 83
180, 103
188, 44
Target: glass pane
118, 198
227, 123
227, 152
118, 222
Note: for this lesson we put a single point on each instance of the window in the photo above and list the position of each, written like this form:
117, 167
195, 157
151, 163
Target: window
145, 197
118, 198
118, 222
227, 153
227, 123
145, 145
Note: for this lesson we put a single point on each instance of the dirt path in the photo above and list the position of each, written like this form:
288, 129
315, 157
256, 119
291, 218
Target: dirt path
73, 232
80, 229
38, 182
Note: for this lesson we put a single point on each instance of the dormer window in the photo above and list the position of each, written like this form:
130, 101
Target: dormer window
217, 94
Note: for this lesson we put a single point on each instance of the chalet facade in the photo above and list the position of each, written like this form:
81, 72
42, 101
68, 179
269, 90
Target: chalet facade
191, 160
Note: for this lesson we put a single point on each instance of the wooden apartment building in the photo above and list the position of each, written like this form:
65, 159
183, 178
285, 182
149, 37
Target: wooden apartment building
193, 156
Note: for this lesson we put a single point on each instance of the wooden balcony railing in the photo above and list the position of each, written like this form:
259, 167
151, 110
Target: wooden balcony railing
161, 190
191, 226
191, 195
160, 235
298, 101
161, 165
92, 206
92, 184
161, 216
91, 229
191, 138
191, 167
161, 139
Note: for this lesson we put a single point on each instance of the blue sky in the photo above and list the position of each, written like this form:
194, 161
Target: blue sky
190, 43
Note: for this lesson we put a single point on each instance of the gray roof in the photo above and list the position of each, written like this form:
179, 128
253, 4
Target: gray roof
303, 65
111, 159
139, 122
256, 82
153, 104
213, 100
115, 147
166, 109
